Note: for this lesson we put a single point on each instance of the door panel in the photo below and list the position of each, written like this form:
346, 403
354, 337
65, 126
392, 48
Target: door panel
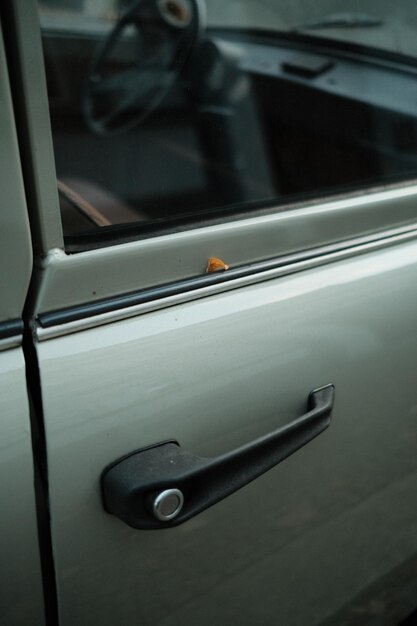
21, 598
300, 543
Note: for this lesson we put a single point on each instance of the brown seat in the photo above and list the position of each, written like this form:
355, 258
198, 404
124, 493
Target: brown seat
86, 205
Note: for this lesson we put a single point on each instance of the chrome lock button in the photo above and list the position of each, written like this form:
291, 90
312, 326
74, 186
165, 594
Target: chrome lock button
168, 504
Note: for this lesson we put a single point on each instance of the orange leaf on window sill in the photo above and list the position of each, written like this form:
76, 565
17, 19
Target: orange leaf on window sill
216, 265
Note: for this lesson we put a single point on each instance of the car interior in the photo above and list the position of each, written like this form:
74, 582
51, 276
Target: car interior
157, 117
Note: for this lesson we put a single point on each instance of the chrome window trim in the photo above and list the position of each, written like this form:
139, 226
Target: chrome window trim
10, 342
64, 280
64, 322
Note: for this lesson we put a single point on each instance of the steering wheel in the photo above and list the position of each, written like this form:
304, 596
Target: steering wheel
138, 62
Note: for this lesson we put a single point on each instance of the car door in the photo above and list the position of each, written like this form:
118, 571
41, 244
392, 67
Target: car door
159, 375
21, 597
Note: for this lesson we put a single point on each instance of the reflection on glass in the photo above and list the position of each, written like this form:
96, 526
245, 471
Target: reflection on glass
167, 110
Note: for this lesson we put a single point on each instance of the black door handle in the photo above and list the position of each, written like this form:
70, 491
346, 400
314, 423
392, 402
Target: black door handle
163, 486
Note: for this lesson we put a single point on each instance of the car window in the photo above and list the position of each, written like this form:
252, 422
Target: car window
171, 112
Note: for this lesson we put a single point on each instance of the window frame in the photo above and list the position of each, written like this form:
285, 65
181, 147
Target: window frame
16, 247
254, 245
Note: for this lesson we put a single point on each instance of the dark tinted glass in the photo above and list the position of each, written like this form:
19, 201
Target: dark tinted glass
166, 112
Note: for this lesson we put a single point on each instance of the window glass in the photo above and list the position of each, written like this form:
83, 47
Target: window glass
179, 110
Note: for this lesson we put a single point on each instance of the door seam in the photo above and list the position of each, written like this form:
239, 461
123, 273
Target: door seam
40, 468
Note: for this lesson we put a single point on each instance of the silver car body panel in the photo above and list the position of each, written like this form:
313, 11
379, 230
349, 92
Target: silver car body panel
21, 598
298, 544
